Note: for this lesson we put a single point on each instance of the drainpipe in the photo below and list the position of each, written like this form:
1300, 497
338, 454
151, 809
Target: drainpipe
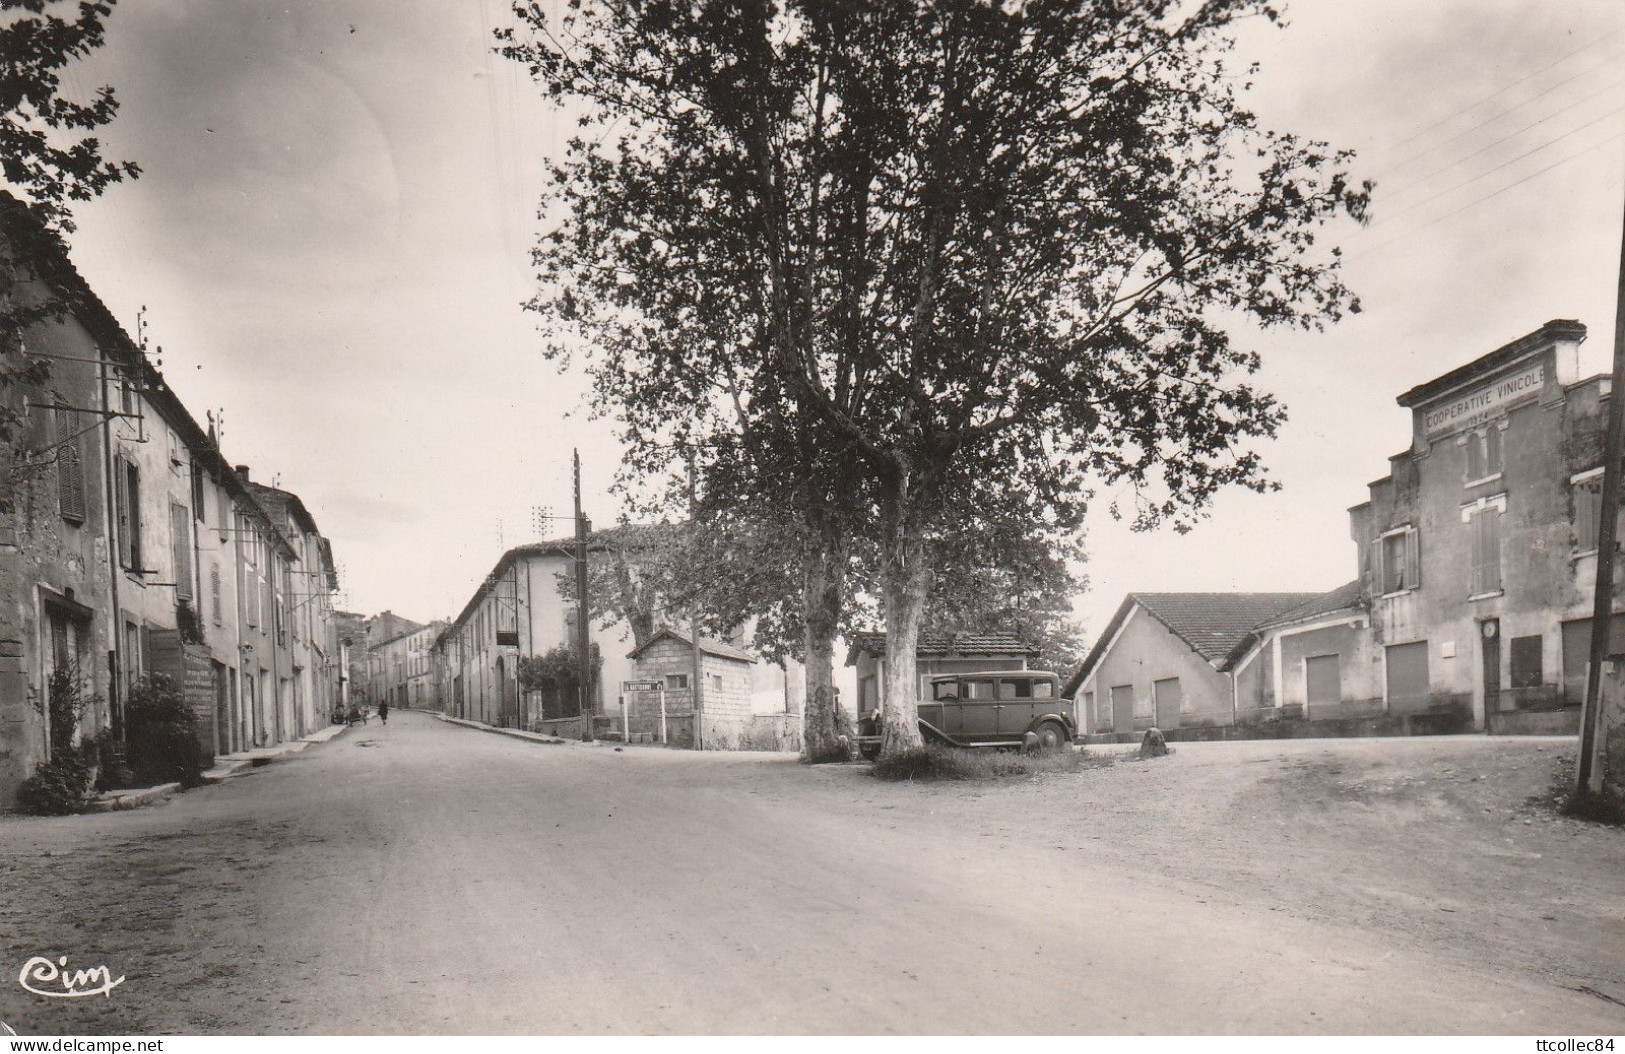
109, 515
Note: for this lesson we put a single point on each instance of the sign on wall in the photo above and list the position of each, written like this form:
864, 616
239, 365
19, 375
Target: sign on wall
1480, 404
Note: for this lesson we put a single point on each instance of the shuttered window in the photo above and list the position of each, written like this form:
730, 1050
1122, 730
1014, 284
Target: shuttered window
214, 593
1401, 560
127, 500
1485, 529
180, 544
70, 471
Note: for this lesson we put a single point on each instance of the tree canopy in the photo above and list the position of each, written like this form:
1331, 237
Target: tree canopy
932, 258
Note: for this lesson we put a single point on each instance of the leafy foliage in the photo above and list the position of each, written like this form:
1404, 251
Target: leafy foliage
64, 704
58, 787
46, 155
557, 669
161, 734
878, 263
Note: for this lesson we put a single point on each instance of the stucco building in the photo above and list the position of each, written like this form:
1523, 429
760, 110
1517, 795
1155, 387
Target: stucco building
1476, 563
130, 546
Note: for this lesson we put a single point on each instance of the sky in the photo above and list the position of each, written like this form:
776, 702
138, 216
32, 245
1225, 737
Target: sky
330, 240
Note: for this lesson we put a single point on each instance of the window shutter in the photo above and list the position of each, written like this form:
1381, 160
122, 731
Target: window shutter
180, 543
132, 498
121, 503
70, 473
1492, 549
1492, 450
1413, 558
1475, 456
214, 592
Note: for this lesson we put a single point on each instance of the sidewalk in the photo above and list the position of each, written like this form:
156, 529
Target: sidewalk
229, 765
534, 737
225, 766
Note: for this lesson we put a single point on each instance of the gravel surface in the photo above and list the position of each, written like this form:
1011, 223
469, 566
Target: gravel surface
425, 878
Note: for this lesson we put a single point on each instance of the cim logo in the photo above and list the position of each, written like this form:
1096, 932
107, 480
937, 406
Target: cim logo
75, 983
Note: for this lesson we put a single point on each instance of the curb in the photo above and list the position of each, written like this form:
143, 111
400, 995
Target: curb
225, 768
114, 801
512, 733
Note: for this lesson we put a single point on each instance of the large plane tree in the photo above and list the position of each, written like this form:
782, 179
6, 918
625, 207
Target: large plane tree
903, 260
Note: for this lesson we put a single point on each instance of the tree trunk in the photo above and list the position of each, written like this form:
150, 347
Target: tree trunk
905, 582
823, 586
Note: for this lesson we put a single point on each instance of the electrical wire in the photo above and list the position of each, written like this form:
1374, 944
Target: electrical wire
1511, 161
1489, 120
1479, 201
1403, 187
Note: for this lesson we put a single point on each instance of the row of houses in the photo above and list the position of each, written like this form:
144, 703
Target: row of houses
1475, 566
508, 659
130, 545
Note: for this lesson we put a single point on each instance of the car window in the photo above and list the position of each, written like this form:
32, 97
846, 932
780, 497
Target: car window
1011, 688
978, 689
945, 690
1043, 690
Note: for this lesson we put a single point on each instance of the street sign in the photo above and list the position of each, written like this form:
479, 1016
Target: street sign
641, 686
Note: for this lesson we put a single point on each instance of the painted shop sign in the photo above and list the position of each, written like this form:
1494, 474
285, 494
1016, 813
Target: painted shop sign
1466, 410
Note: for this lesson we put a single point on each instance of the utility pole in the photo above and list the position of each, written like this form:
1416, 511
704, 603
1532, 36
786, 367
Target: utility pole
584, 646
1587, 774
694, 631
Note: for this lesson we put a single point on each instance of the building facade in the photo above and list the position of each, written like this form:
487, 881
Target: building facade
129, 546
1476, 560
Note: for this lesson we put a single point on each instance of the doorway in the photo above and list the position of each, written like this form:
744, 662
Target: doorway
1489, 636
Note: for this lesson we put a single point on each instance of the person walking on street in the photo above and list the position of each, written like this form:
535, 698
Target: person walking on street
383, 711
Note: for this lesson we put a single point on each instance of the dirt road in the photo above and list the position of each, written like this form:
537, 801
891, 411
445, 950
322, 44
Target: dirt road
427, 878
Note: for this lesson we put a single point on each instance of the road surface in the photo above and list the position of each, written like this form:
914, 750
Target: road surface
429, 878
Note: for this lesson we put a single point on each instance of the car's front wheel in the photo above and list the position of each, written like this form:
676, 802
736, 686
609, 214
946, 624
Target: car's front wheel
1051, 736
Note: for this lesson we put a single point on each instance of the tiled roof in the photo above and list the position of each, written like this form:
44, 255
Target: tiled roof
1214, 623
1347, 595
709, 645
997, 642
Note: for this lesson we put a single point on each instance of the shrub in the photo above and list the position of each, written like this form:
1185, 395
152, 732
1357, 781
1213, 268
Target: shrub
937, 762
106, 753
161, 734
58, 787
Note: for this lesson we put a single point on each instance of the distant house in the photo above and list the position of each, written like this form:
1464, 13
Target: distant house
1164, 659
936, 653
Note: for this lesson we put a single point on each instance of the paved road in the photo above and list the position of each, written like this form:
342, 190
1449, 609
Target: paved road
426, 878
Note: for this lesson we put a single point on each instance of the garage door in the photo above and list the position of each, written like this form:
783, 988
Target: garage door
1408, 677
1325, 676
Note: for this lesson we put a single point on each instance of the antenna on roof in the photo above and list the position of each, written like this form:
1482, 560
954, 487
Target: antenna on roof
500, 544
539, 520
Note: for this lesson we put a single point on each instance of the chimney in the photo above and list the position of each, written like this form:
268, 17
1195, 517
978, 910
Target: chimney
242, 470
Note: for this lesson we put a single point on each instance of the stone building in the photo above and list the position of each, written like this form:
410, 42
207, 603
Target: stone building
727, 716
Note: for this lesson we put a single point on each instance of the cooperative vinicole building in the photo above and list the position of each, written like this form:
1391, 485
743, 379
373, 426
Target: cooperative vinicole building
1476, 563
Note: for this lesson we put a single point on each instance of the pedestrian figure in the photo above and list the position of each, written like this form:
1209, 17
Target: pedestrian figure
383, 711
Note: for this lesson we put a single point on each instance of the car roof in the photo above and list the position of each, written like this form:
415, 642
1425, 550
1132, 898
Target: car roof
993, 673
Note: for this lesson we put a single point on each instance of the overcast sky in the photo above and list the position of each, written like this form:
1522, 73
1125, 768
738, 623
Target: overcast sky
331, 236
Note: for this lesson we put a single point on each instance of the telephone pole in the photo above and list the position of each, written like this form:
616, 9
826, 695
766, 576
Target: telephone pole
1587, 773
583, 645
694, 632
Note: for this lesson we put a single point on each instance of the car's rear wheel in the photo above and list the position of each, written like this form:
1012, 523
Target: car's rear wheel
1051, 736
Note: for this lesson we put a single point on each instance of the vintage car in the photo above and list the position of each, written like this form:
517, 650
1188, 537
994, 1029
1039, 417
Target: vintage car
1002, 708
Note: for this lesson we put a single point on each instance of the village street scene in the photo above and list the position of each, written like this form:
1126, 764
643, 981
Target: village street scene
802, 518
